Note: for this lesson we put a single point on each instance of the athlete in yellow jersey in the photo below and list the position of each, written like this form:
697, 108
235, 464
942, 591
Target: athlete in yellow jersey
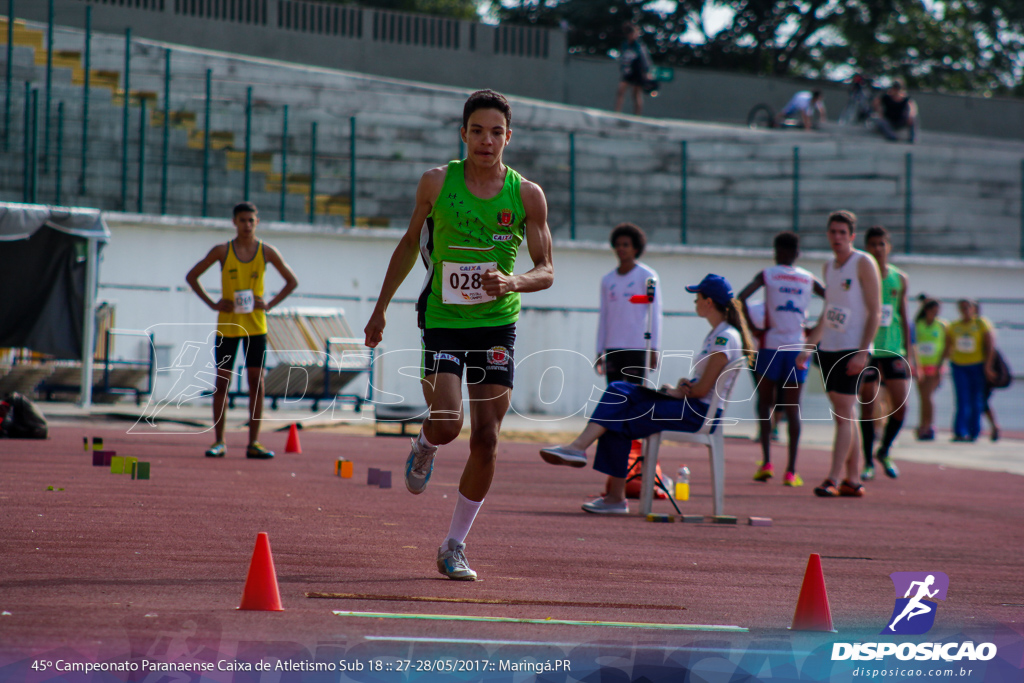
470, 218
241, 317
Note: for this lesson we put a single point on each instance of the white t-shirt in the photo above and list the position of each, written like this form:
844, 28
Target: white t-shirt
800, 102
621, 324
726, 339
845, 314
787, 294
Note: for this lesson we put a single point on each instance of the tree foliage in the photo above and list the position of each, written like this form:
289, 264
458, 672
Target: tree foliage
953, 45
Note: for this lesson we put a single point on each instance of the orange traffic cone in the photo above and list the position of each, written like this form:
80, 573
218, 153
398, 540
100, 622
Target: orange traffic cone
812, 611
261, 592
293, 445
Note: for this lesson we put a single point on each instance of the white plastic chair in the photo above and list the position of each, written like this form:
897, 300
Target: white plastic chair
714, 440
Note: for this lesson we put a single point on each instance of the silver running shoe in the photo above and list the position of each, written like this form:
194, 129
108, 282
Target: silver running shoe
599, 507
418, 467
451, 561
563, 455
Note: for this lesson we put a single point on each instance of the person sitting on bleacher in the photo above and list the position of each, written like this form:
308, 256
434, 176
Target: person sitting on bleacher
627, 412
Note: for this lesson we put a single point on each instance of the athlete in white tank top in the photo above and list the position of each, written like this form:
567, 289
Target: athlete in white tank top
845, 314
787, 294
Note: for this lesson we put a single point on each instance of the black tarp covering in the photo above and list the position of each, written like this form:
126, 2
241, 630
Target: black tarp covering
42, 277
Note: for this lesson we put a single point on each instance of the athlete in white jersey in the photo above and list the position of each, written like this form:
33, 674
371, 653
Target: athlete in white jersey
844, 333
788, 291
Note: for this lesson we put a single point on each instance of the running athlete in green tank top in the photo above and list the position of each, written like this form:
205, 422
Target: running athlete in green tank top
470, 218
893, 361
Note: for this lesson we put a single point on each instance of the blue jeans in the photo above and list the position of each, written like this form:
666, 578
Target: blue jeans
888, 129
969, 386
629, 412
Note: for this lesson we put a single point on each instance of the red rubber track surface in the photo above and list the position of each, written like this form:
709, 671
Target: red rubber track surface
86, 565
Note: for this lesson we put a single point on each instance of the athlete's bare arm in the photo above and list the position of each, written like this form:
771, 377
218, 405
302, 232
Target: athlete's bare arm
538, 241
988, 343
819, 289
216, 255
754, 285
273, 257
406, 253
871, 286
905, 325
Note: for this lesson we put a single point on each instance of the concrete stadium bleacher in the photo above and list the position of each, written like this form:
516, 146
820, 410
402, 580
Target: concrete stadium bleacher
966, 192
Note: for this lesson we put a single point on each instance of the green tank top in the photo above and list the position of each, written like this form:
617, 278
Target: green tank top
465, 236
890, 327
931, 341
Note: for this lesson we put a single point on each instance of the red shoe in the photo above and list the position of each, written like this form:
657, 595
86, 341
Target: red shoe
827, 489
850, 490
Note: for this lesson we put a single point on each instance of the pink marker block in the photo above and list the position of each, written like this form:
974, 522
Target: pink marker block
385, 479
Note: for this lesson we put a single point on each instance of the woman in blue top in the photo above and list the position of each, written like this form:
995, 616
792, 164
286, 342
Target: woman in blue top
627, 412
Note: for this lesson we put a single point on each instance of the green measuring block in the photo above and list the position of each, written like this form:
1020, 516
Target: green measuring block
140, 470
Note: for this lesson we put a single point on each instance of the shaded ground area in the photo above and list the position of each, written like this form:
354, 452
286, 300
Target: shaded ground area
109, 561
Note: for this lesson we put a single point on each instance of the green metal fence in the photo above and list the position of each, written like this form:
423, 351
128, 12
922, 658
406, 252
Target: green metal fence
223, 141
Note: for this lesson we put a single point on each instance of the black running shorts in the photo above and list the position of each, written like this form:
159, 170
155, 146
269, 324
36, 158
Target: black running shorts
487, 353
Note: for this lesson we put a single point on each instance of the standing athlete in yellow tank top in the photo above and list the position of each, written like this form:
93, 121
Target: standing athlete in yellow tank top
470, 218
241, 318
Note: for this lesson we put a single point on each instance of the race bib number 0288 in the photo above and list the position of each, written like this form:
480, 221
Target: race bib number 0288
462, 283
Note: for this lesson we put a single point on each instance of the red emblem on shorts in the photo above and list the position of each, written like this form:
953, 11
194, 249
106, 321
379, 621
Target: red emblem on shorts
505, 217
497, 355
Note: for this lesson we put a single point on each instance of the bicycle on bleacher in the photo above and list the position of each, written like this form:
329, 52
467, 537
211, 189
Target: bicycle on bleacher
859, 102
763, 116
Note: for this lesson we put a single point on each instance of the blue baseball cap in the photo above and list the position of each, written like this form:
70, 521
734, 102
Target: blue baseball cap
714, 287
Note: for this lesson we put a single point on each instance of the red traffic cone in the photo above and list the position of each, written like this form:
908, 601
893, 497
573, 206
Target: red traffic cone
293, 445
261, 592
812, 611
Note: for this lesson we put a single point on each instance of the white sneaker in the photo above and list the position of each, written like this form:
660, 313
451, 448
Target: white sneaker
451, 561
418, 467
599, 507
563, 455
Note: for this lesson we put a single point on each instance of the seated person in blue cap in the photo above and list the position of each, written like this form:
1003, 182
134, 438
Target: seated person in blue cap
627, 412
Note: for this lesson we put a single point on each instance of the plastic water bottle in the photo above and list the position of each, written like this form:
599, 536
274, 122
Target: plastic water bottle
683, 483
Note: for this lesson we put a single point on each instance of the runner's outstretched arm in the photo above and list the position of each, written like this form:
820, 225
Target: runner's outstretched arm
406, 253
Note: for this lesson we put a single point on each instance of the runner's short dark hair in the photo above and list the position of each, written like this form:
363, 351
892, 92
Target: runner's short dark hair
242, 207
877, 231
634, 232
848, 217
486, 99
787, 241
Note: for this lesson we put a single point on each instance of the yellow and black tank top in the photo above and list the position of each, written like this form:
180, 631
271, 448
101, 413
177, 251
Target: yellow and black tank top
237, 276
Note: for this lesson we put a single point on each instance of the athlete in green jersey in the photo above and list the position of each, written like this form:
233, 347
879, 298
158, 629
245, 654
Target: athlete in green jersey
470, 218
893, 361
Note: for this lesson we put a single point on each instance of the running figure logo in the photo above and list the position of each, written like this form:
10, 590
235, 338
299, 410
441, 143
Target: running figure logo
914, 612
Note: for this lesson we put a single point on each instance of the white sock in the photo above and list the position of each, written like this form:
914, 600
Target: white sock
422, 440
462, 519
